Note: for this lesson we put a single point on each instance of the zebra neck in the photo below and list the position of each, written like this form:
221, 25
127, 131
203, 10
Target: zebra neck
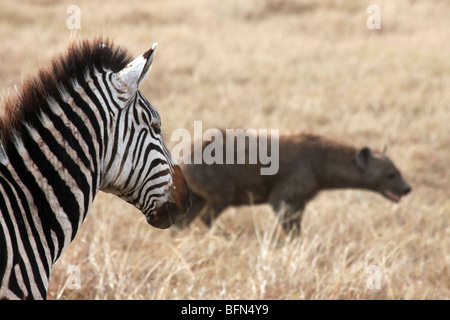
54, 186
3, 156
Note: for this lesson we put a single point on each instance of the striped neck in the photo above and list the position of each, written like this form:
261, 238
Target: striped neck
49, 176
55, 165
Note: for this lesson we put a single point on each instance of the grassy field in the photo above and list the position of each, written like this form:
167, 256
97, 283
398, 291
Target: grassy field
292, 65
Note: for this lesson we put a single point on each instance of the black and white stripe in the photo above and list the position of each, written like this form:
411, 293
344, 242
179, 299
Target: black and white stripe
90, 129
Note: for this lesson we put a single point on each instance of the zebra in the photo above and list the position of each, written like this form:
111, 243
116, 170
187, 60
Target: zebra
79, 126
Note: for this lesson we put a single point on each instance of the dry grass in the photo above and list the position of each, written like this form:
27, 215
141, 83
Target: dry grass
303, 65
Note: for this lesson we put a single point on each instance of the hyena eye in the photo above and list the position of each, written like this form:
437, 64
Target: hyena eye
391, 176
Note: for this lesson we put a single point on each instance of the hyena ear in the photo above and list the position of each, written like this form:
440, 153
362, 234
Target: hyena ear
362, 157
137, 70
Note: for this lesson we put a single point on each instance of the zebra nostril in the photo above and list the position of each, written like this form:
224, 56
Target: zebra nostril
171, 207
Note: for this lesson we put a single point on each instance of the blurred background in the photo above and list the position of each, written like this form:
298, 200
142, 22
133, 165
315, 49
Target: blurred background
286, 64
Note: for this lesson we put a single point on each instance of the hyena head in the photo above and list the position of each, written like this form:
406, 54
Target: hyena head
381, 175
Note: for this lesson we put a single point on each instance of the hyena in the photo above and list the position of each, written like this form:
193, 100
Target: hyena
308, 164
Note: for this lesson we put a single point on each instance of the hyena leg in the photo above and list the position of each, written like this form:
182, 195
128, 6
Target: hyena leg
198, 203
292, 220
290, 215
219, 198
211, 212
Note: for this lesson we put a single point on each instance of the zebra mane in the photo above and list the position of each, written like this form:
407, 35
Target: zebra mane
23, 107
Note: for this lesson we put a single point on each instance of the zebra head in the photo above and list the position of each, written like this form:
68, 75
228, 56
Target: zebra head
138, 166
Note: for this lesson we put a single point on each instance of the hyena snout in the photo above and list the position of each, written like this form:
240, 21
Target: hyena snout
396, 191
407, 190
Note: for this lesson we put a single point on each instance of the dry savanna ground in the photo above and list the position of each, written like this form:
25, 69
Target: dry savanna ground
292, 65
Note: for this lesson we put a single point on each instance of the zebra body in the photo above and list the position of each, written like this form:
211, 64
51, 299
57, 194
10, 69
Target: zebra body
80, 127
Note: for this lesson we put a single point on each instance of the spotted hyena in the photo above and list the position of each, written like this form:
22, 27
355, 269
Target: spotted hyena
307, 164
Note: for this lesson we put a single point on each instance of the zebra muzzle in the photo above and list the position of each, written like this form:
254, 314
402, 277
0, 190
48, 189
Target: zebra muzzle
166, 215
178, 204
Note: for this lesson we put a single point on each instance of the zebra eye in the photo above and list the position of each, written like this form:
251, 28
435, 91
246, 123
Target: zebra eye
156, 129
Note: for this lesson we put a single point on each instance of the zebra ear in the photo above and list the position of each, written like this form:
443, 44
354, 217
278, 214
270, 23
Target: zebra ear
137, 70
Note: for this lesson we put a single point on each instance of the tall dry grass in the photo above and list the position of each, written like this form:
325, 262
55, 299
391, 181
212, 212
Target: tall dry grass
293, 65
